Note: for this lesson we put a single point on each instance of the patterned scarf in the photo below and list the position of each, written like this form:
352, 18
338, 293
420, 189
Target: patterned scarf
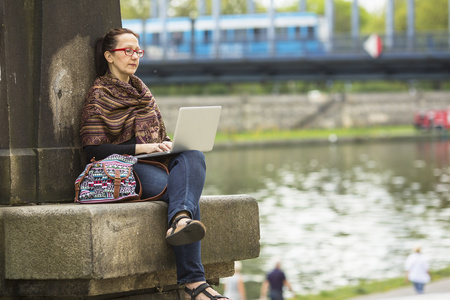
115, 111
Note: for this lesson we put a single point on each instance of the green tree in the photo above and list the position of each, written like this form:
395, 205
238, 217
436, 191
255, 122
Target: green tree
343, 16
135, 9
429, 15
185, 7
432, 15
369, 23
372, 23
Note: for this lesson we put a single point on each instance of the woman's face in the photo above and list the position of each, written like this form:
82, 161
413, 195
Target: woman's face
121, 65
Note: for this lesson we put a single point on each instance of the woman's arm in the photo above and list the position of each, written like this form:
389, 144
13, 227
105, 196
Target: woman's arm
241, 288
102, 151
264, 289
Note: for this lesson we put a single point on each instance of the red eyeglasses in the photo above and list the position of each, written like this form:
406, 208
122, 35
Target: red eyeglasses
130, 52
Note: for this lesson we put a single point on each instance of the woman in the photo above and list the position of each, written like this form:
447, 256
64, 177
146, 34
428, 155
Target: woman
234, 285
121, 116
417, 270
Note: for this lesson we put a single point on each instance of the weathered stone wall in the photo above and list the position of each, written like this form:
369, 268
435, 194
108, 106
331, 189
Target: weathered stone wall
297, 111
46, 68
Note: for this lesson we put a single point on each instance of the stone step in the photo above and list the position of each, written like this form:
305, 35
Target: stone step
84, 250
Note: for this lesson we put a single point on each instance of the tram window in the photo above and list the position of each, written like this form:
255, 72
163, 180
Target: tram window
281, 33
176, 38
226, 35
156, 39
260, 34
310, 32
298, 34
207, 36
240, 35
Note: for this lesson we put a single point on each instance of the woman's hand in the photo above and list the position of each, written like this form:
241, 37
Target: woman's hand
151, 148
166, 146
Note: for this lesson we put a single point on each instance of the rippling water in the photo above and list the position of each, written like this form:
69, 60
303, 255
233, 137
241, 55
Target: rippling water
338, 213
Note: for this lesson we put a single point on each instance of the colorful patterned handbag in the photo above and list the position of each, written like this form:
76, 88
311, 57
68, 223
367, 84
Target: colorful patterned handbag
111, 180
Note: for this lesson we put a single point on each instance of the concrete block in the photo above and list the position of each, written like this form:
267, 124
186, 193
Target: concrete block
17, 176
87, 250
57, 170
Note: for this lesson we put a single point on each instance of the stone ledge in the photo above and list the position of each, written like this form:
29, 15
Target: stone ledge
88, 250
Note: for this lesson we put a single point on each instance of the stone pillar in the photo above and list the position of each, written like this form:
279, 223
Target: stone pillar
329, 15
411, 32
250, 7
216, 31
201, 7
355, 19
302, 5
390, 24
271, 30
163, 17
46, 68
355, 26
154, 12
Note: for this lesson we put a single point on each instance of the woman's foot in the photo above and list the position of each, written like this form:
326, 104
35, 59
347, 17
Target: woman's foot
202, 291
184, 231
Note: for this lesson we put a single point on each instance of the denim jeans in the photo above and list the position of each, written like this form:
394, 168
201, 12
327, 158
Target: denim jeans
419, 287
187, 172
276, 295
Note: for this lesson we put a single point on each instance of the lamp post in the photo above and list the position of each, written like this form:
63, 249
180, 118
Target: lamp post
193, 16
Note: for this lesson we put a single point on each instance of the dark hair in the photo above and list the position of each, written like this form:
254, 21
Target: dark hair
105, 43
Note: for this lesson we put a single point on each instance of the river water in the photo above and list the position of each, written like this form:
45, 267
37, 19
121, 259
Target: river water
334, 214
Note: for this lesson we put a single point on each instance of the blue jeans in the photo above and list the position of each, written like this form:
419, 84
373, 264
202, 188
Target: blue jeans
276, 295
419, 287
187, 172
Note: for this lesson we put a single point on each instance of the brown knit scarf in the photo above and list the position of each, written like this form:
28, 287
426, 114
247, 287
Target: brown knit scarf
115, 111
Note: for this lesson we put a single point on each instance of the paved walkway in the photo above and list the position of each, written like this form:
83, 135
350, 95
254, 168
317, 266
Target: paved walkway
436, 290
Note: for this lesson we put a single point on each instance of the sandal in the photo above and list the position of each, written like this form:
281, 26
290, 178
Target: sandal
192, 232
202, 289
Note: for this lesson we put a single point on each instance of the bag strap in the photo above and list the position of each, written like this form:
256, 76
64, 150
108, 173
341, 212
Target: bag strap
117, 182
77, 184
153, 163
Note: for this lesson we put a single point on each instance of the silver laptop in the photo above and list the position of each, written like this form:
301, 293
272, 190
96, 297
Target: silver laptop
195, 130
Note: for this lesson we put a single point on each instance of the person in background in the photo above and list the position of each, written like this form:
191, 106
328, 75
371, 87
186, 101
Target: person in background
417, 270
234, 285
120, 116
275, 281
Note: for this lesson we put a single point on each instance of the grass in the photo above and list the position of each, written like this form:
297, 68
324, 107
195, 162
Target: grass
312, 134
365, 288
348, 292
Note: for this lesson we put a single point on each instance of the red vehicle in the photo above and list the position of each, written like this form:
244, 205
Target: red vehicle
431, 119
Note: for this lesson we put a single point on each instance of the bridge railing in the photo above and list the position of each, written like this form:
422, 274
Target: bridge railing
284, 47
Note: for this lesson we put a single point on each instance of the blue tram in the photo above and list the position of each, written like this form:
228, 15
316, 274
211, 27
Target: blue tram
240, 36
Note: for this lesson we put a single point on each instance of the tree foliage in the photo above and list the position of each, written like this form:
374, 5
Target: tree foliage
135, 9
430, 14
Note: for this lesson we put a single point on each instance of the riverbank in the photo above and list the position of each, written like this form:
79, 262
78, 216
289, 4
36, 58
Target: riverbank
435, 290
392, 135
314, 136
394, 287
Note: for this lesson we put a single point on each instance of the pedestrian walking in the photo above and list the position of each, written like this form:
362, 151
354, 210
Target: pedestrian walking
275, 281
417, 270
234, 286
